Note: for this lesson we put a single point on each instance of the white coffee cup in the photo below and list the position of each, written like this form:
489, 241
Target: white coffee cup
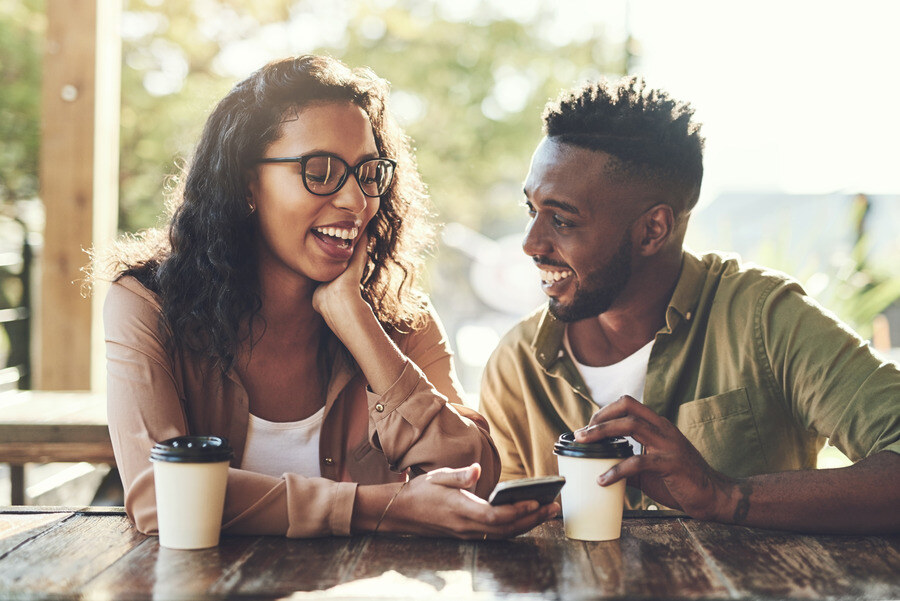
591, 511
190, 474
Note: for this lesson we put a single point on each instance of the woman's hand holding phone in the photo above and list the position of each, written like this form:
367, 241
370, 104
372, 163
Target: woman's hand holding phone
462, 514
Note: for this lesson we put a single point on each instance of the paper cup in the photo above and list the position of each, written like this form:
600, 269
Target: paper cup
591, 511
190, 474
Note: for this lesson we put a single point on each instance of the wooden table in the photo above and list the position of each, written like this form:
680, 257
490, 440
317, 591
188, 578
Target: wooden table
94, 553
47, 427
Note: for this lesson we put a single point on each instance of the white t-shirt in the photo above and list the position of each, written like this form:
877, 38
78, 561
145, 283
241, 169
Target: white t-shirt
276, 448
606, 384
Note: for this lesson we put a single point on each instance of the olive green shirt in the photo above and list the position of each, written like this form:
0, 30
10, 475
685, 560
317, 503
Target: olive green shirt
752, 371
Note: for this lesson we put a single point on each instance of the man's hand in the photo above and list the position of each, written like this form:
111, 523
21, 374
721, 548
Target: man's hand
670, 470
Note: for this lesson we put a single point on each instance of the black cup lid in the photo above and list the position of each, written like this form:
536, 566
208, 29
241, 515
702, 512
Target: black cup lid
192, 449
605, 448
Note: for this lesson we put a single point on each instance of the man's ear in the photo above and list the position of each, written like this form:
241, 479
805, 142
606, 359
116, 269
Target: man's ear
653, 229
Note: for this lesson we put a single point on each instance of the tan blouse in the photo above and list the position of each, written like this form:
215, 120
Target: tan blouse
156, 392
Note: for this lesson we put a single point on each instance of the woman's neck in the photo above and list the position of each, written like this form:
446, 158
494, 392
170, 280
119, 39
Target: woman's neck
287, 308
281, 363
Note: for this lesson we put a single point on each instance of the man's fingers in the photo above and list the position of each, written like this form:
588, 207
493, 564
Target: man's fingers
619, 408
624, 406
644, 432
628, 417
628, 468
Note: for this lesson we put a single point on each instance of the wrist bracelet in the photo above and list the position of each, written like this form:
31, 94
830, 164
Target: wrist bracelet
388, 506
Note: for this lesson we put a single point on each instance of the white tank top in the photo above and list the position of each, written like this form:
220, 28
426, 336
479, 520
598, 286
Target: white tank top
606, 384
276, 448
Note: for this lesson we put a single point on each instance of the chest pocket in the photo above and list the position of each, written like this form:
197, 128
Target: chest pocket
723, 429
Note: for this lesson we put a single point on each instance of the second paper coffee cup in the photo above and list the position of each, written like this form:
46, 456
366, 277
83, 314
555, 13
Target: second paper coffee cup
190, 473
591, 511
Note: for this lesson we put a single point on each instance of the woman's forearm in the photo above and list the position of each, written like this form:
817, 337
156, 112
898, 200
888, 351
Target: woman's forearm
371, 503
378, 357
375, 353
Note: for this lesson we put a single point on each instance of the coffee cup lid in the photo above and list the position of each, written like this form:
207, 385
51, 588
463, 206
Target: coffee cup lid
605, 448
192, 449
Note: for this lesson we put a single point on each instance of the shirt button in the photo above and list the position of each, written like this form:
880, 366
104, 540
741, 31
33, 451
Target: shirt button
687, 316
379, 407
328, 461
652, 507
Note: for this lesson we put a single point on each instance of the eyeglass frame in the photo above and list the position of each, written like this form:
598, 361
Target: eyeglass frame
303, 159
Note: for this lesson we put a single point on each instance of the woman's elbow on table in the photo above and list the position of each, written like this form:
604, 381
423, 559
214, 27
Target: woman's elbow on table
140, 504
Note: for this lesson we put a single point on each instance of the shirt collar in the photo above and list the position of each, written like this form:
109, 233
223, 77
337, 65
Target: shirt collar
548, 339
683, 304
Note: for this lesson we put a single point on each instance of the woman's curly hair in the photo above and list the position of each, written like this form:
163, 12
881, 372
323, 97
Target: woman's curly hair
205, 270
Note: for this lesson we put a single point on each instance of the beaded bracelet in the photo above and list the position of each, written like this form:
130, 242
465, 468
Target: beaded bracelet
388, 506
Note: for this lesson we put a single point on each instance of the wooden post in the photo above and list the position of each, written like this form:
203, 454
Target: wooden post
79, 185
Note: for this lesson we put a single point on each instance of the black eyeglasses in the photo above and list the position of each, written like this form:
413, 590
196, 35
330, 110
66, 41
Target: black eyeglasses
325, 174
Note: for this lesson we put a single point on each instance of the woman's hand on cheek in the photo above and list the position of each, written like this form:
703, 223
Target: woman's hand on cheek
438, 504
335, 300
349, 316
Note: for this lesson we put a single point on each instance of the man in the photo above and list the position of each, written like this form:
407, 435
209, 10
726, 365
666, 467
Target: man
727, 377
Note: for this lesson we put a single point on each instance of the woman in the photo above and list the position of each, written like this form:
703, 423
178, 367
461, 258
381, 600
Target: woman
280, 312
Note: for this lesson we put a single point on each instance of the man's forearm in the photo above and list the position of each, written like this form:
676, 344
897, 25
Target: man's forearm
862, 498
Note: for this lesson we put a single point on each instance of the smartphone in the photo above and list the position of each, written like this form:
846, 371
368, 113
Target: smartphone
542, 489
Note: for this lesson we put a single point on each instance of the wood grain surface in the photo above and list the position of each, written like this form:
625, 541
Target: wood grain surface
95, 554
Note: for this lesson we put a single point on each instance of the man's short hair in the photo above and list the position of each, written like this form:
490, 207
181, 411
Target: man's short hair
652, 136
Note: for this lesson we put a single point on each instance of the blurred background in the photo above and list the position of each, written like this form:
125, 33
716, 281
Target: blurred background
797, 100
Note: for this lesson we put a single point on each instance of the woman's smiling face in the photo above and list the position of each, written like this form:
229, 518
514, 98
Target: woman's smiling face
302, 233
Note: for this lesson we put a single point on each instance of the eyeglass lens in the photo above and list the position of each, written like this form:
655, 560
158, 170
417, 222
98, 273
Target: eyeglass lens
326, 174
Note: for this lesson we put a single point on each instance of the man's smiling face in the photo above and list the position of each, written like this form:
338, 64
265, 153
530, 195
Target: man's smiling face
579, 235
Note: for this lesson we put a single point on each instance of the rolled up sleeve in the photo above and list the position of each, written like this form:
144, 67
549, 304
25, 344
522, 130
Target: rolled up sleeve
423, 426
835, 383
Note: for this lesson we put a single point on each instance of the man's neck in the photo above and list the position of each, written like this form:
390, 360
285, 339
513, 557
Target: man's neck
633, 320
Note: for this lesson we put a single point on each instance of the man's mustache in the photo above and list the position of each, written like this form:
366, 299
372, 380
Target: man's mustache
541, 260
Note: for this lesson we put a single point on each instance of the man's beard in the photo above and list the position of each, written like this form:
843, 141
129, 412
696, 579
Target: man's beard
600, 289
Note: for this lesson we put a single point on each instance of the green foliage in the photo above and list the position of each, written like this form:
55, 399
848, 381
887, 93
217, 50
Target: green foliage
471, 91
864, 286
22, 25
857, 286
481, 88
168, 87
447, 77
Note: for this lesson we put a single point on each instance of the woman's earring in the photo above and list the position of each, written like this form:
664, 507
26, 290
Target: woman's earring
250, 205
